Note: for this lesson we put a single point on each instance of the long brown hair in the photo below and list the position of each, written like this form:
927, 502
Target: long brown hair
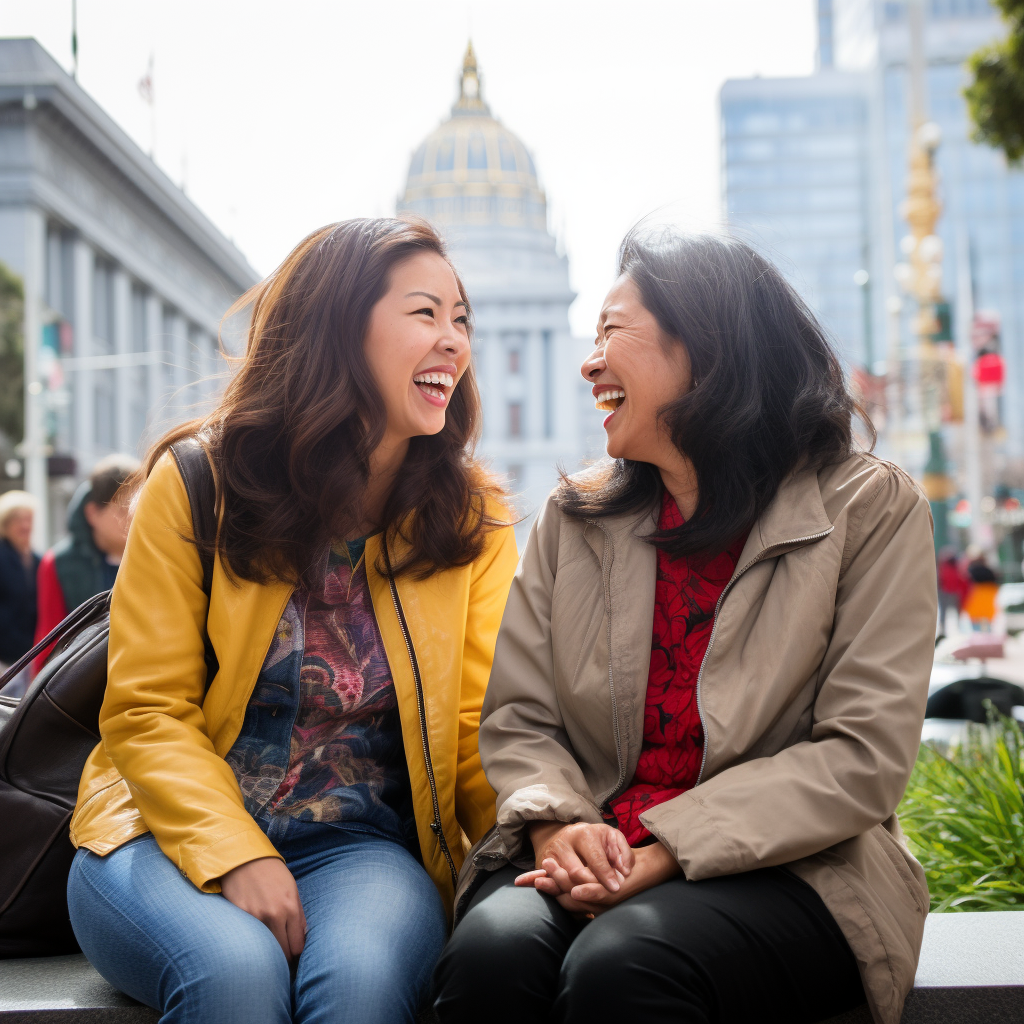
291, 439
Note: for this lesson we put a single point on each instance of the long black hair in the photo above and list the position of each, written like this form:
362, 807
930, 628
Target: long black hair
768, 390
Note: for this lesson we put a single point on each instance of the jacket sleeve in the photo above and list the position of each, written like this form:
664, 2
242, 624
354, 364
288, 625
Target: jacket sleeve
151, 723
850, 775
489, 583
525, 749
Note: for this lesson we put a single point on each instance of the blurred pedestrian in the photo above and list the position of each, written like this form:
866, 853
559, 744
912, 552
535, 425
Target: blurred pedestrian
85, 562
18, 565
983, 585
953, 585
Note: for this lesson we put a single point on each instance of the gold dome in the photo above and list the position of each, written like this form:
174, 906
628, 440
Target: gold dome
472, 170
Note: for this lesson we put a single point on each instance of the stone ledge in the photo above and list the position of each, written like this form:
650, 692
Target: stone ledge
971, 972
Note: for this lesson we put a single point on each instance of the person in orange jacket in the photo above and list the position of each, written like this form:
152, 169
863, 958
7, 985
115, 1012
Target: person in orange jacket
278, 838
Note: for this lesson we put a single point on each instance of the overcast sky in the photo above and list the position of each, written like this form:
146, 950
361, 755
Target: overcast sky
279, 117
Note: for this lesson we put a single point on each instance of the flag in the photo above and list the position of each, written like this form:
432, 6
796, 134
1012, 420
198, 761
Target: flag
146, 83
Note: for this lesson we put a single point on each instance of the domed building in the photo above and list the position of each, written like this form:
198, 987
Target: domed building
476, 182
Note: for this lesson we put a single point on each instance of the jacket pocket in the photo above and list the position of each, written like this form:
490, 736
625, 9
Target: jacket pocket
897, 855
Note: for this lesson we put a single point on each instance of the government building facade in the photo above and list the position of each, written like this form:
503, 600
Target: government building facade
125, 282
476, 182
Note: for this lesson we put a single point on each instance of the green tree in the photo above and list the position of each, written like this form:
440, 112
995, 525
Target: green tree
12, 355
995, 98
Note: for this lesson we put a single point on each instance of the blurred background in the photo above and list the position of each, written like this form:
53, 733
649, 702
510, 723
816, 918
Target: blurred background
157, 159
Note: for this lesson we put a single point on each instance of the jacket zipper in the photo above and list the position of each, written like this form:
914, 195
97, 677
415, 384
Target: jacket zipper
714, 629
606, 574
435, 825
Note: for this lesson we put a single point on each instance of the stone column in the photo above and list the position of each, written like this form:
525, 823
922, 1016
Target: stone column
154, 370
82, 389
180, 360
124, 375
36, 478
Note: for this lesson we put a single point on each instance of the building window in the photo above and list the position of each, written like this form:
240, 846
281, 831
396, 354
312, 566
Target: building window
60, 271
513, 361
515, 420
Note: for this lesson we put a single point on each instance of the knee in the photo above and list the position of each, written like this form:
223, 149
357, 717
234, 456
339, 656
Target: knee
487, 941
610, 973
240, 971
505, 953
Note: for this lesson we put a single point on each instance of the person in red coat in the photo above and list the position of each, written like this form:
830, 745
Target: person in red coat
953, 585
85, 562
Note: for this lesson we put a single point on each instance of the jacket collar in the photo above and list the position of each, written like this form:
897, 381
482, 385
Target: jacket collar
795, 517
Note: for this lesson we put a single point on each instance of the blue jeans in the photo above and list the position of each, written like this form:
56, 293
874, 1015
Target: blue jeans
376, 926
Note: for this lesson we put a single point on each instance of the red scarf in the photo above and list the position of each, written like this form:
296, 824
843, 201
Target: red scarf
685, 597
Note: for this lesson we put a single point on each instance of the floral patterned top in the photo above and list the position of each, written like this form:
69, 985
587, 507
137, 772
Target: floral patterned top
685, 598
322, 739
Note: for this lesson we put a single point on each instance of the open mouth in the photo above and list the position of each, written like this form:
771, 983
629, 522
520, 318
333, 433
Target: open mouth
435, 385
609, 401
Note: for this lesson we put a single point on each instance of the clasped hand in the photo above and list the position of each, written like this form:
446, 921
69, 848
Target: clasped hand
590, 868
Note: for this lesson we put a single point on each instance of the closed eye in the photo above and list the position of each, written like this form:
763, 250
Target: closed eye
429, 312
464, 319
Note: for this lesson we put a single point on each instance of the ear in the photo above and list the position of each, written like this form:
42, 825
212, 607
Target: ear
90, 510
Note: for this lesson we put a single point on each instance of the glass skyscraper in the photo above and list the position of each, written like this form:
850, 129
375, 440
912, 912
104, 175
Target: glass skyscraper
814, 172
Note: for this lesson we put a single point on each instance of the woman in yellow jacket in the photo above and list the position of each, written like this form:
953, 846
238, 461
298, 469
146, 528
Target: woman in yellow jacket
281, 842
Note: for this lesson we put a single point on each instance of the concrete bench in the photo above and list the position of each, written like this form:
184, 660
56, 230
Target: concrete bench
971, 972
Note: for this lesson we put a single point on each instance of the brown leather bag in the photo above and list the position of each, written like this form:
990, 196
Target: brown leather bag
45, 738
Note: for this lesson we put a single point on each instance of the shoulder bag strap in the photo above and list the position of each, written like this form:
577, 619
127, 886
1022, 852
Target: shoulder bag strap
197, 473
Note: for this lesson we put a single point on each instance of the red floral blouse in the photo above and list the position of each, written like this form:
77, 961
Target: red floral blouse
685, 597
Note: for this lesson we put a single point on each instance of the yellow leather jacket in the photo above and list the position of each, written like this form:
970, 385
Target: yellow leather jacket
159, 765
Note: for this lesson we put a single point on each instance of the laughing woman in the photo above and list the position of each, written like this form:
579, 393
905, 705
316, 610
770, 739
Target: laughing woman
281, 842
708, 687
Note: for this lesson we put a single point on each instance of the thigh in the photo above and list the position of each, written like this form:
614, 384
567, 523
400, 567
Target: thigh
152, 934
756, 946
505, 954
376, 926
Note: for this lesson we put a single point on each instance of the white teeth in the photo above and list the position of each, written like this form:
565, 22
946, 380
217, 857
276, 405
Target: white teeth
445, 379
607, 396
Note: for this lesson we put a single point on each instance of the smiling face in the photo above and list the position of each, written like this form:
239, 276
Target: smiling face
18, 528
417, 346
635, 370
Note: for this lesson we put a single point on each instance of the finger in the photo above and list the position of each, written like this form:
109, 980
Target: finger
279, 929
548, 886
296, 928
623, 852
595, 892
557, 874
591, 849
574, 906
566, 857
529, 877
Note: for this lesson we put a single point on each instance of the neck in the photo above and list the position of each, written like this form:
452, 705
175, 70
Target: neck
385, 463
680, 480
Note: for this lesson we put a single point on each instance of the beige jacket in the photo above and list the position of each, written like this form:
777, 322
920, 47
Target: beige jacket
812, 695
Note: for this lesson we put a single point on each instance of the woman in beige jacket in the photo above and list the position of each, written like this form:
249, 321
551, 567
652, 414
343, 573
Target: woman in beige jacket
708, 687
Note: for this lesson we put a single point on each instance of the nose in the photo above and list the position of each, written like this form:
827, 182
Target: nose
453, 342
594, 363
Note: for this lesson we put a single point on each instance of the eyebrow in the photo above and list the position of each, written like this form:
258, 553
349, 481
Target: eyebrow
435, 299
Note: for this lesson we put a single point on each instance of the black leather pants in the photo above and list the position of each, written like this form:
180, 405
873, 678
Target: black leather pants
760, 946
